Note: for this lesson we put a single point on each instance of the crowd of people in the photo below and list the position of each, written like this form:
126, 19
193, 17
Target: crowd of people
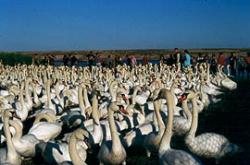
234, 65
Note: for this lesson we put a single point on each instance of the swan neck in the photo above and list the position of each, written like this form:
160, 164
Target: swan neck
74, 155
166, 138
95, 114
86, 99
159, 120
48, 93
186, 109
194, 124
116, 143
47, 117
134, 95
80, 100
34, 93
27, 94
11, 152
18, 129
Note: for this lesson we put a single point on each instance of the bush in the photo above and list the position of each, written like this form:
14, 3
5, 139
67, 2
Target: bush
15, 58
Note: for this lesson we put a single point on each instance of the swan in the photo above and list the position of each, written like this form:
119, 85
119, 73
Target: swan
78, 135
57, 153
9, 155
96, 135
152, 140
45, 130
112, 152
208, 145
166, 154
24, 145
20, 107
181, 124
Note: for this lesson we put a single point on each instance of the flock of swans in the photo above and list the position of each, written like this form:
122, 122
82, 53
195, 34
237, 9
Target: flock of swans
58, 114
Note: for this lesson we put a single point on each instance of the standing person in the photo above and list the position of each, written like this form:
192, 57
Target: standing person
50, 59
91, 59
65, 60
109, 62
232, 64
145, 60
213, 64
177, 56
73, 60
162, 59
200, 58
248, 64
241, 66
221, 59
187, 58
168, 59
98, 60
127, 60
133, 61
206, 58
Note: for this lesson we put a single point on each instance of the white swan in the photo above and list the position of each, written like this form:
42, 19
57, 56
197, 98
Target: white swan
166, 154
112, 152
45, 130
24, 145
9, 155
208, 145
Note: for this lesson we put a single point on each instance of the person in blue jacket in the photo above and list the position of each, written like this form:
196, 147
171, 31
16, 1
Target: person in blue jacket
187, 58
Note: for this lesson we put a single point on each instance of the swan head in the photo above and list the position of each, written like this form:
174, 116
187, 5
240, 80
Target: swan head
8, 113
115, 107
81, 134
229, 84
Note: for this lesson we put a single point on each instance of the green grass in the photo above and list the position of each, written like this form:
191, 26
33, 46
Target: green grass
15, 58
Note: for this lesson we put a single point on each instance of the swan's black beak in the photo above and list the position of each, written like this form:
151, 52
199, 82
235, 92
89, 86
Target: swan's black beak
15, 115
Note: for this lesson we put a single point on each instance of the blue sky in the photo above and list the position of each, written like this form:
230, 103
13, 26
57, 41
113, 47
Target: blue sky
123, 24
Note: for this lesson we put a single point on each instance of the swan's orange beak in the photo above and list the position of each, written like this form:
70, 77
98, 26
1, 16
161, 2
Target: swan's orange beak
124, 97
182, 98
122, 109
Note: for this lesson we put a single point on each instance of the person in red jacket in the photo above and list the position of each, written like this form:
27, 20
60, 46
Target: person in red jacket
221, 59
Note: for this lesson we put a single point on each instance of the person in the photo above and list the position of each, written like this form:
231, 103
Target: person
118, 60
50, 59
128, 60
145, 60
241, 66
232, 64
213, 64
168, 59
109, 62
65, 60
206, 58
98, 59
91, 59
248, 64
176, 56
187, 59
73, 60
162, 59
200, 58
133, 61
221, 59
